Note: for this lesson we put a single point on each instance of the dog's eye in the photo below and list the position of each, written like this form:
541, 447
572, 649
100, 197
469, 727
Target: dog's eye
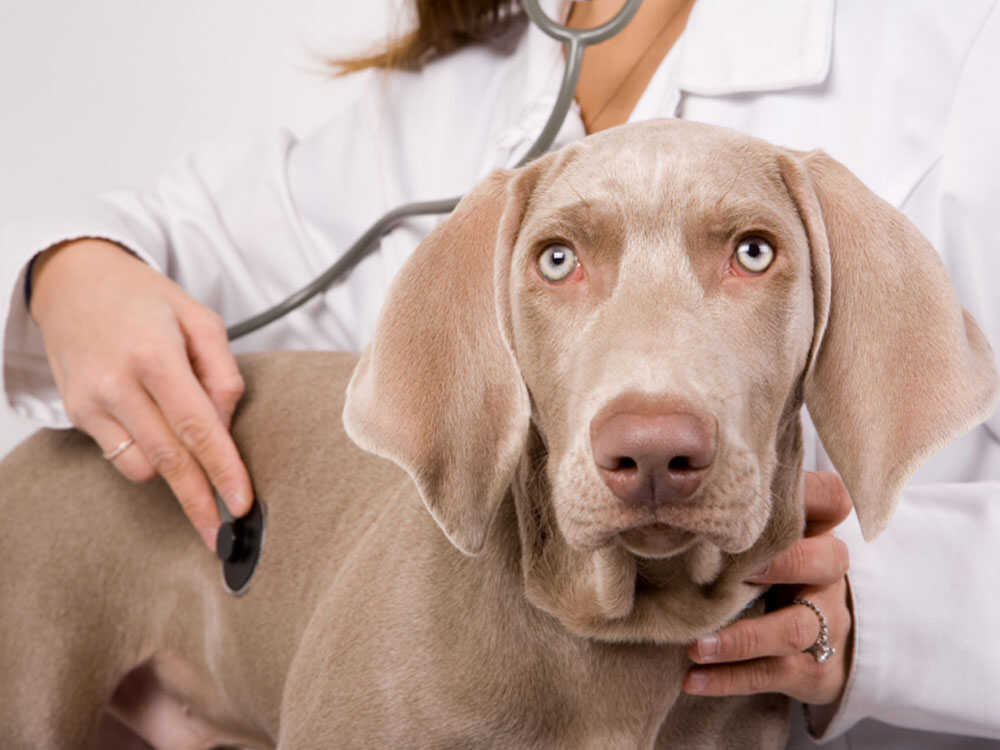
556, 262
754, 254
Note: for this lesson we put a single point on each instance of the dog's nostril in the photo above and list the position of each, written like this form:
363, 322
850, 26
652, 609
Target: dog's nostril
624, 463
680, 463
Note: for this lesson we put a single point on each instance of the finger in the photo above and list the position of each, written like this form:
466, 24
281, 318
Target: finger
770, 675
786, 632
111, 437
194, 420
141, 418
799, 676
212, 360
827, 502
819, 560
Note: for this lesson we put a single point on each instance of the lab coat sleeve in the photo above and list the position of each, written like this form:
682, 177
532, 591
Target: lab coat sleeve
222, 224
927, 614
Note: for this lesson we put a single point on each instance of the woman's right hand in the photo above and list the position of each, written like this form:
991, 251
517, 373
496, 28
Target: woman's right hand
135, 357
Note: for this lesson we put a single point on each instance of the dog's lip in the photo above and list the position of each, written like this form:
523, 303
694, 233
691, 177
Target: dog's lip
656, 540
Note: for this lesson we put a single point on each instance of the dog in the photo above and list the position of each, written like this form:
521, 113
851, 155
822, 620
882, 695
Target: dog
574, 435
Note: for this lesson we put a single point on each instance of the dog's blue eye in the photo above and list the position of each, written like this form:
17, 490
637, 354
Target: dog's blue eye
754, 254
556, 262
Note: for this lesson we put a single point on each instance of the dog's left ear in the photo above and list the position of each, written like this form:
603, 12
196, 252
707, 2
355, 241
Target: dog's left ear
897, 367
438, 390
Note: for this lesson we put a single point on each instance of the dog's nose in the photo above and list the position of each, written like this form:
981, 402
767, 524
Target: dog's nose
653, 459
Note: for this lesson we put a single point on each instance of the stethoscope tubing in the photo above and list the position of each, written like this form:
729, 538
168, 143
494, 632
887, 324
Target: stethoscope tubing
575, 41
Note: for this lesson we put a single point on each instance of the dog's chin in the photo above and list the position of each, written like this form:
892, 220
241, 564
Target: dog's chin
657, 541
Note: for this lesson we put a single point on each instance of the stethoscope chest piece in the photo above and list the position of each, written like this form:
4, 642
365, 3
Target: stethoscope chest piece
238, 544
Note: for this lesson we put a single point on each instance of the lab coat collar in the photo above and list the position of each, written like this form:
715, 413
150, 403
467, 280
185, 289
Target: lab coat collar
733, 47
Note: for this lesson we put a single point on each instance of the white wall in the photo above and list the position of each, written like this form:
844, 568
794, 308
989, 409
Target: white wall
104, 93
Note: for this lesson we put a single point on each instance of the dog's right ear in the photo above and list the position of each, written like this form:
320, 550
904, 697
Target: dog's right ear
438, 390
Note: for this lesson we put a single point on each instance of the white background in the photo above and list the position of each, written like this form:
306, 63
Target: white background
107, 93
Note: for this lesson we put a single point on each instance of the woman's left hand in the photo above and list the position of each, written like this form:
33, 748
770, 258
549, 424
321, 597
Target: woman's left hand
765, 654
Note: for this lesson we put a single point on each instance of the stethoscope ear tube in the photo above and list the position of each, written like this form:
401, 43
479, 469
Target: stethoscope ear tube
357, 252
575, 40
582, 37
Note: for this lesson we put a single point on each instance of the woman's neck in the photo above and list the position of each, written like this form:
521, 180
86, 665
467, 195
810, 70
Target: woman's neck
617, 71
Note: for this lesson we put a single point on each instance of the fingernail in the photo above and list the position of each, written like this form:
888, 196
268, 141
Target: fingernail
708, 647
696, 682
760, 573
237, 503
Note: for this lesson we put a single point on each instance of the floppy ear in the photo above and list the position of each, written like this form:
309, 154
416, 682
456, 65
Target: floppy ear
438, 390
897, 367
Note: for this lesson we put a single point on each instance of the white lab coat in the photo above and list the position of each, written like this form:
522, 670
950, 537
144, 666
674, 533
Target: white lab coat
904, 93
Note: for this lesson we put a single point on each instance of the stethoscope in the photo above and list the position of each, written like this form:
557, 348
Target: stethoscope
239, 540
575, 41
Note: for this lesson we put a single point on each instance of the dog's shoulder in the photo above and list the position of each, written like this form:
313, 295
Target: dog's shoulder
288, 426
292, 398
297, 374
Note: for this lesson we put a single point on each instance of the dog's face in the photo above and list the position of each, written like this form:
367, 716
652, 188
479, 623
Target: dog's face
661, 315
624, 332
662, 318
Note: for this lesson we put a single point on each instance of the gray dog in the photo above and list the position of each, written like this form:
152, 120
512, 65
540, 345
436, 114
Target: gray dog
588, 383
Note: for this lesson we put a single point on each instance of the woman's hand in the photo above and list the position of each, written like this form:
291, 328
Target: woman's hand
135, 357
765, 654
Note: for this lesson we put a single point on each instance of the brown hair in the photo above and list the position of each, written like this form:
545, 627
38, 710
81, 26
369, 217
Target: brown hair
443, 26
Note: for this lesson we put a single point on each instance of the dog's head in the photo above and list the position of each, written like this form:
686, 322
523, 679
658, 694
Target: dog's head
624, 332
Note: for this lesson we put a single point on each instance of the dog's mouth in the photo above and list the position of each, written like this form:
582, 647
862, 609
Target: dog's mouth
657, 540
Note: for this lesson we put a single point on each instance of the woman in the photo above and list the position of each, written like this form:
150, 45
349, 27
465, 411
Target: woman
142, 364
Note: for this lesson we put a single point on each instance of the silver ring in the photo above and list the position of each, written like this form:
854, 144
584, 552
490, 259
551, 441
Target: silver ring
123, 446
821, 650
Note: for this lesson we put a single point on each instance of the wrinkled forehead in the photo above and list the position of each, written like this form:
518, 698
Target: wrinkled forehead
665, 174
